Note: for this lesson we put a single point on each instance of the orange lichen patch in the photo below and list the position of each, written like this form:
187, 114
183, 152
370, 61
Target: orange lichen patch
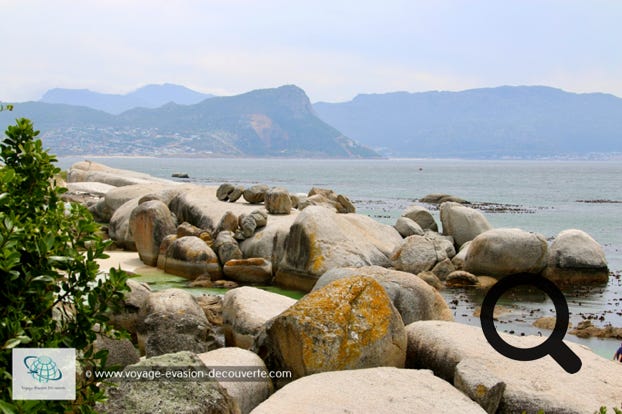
337, 326
315, 255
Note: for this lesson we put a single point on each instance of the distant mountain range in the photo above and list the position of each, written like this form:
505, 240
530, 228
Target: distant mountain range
503, 122
276, 122
515, 122
150, 96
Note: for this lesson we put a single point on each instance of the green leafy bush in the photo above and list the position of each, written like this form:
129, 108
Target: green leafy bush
51, 291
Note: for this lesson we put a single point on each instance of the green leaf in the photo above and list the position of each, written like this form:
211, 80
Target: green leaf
7, 408
12, 343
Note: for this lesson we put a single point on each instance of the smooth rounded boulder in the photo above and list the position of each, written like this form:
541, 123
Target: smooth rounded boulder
321, 239
246, 309
417, 254
150, 223
256, 270
462, 223
277, 201
255, 194
407, 227
413, 298
576, 258
173, 396
190, 257
382, 390
348, 324
421, 216
503, 252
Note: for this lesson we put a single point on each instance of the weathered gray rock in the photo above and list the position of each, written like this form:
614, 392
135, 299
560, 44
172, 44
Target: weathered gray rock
94, 172
422, 217
483, 388
248, 223
227, 247
327, 198
460, 278
187, 229
443, 268
417, 254
190, 257
246, 310
255, 194
121, 352
413, 298
269, 242
200, 207
382, 390
463, 223
134, 302
174, 396
150, 222
173, 321
530, 385
576, 258
95, 188
348, 324
223, 191
228, 222
407, 227
321, 239
277, 201
119, 229
431, 279
318, 200
235, 195
344, 205
439, 198
248, 394
441, 243
459, 260
256, 270
502, 252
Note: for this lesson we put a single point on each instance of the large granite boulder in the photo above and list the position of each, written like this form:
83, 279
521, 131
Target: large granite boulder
150, 222
382, 390
256, 270
413, 298
119, 229
245, 311
134, 302
422, 217
200, 206
576, 258
277, 201
255, 194
121, 352
226, 247
116, 197
463, 223
250, 391
417, 254
407, 227
172, 396
348, 324
269, 241
529, 385
94, 172
327, 198
173, 321
189, 257
502, 252
321, 239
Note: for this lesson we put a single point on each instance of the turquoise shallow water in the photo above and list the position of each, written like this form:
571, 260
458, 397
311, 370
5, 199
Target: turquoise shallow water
547, 194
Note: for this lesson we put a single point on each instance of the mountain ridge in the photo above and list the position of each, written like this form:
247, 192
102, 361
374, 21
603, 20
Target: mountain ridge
506, 121
148, 96
277, 122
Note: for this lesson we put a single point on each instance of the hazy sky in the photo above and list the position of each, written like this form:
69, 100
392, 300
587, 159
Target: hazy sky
332, 49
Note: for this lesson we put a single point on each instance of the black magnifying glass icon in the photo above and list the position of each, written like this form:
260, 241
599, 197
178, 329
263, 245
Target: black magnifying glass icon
553, 345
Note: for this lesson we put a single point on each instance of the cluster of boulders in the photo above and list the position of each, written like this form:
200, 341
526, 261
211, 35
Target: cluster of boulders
372, 335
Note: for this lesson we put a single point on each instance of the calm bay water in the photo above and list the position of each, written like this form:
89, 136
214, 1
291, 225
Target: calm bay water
547, 194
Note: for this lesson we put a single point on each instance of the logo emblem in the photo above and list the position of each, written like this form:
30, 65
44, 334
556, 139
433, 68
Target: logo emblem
43, 368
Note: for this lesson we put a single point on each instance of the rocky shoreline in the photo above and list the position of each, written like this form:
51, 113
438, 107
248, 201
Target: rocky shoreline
373, 301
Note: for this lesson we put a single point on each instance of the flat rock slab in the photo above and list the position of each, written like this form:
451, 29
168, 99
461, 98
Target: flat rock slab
372, 390
530, 385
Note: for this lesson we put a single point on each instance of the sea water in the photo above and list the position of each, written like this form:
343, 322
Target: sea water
541, 196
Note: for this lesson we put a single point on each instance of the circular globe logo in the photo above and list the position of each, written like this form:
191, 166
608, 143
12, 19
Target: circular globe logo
42, 368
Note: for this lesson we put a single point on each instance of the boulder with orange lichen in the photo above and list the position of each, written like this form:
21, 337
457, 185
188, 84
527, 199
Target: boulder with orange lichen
348, 324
